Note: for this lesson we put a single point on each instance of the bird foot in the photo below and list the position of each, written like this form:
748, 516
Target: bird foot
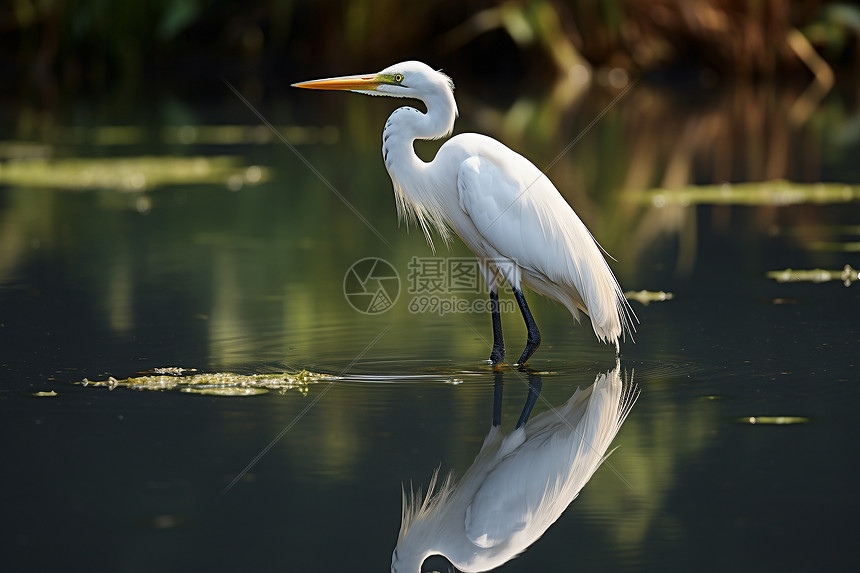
531, 346
497, 356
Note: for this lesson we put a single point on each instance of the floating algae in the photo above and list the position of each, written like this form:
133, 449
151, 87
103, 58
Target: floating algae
776, 192
228, 391
774, 420
847, 275
217, 383
132, 174
646, 297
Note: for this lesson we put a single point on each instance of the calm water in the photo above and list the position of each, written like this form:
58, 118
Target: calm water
246, 275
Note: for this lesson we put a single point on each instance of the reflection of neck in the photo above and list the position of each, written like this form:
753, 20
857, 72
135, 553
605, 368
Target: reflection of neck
409, 561
428, 525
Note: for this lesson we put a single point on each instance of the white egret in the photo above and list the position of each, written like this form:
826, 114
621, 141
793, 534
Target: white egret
518, 485
502, 206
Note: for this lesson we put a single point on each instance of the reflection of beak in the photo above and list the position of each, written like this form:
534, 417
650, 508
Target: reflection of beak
362, 83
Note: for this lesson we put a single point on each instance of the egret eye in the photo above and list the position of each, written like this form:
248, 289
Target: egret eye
398, 78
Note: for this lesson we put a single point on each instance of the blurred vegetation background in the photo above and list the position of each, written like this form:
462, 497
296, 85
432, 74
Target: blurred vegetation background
101, 44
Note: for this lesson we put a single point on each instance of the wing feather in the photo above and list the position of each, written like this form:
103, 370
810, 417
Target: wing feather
519, 213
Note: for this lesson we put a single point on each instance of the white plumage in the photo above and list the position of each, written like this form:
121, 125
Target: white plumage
502, 206
517, 486
520, 217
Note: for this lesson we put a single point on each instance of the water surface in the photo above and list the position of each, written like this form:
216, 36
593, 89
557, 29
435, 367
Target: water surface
247, 276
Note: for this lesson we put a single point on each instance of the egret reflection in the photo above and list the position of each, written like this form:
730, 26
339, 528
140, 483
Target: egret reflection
519, 484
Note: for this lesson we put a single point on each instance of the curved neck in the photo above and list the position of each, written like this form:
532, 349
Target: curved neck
407, 124
416, 191
436, 123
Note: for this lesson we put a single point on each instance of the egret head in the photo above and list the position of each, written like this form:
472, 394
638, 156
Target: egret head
407, 79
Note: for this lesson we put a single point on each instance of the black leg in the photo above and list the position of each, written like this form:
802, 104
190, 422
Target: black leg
535, 384
497, 356
497, 398
533, 340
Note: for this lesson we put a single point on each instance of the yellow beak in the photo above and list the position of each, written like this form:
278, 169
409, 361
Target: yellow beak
362, 83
